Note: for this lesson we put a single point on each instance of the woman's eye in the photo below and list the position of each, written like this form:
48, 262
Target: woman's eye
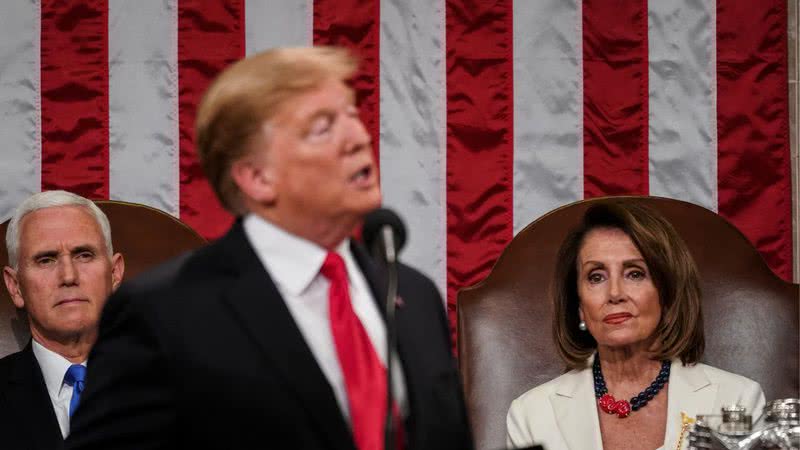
595, 278
637, 274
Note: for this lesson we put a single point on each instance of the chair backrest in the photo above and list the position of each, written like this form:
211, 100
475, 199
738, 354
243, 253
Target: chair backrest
145, 236
505, 345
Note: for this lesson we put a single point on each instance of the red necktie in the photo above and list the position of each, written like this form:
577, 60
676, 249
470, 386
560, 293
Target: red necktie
364, 375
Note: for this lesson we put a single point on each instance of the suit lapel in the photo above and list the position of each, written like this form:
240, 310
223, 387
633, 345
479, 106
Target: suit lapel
256, 302
27, 395
376, 277
690, 392
574, 409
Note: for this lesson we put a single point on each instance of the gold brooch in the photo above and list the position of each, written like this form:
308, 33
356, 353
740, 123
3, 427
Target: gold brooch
685, 422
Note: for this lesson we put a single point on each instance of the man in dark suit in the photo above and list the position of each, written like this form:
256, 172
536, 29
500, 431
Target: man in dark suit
273, 336
61, 270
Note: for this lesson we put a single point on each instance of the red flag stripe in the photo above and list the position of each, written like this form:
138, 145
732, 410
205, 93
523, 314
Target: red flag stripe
480, 137
355, 24
754, 165
74, 97
615, 98
210, 37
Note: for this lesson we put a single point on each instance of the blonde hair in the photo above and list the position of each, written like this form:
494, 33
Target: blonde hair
249, 93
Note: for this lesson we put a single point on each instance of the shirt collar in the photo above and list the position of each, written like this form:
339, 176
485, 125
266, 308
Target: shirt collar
54, 367
291, 261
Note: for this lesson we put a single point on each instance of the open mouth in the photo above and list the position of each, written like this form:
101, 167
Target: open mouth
364, 177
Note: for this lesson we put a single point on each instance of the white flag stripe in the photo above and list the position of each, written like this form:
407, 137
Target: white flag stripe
682, 110
273, 23
20, 105
548, 107
412, 127
143, 103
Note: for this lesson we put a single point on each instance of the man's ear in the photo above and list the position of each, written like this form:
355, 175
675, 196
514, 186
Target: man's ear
255, 179
12, 284
117, 270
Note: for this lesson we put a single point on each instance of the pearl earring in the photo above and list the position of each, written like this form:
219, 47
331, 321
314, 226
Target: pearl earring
582, 325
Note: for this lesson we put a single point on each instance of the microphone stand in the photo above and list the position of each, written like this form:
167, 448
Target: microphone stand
391, 334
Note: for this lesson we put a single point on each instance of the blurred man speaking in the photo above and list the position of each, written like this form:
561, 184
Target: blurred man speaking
61, 270
272, 337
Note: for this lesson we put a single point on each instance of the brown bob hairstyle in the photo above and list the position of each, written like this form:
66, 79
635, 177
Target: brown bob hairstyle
679, 333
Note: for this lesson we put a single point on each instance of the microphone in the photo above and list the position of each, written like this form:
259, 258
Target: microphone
385, 235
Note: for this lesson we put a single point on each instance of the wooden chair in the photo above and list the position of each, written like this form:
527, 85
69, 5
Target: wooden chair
505, 345
145, 236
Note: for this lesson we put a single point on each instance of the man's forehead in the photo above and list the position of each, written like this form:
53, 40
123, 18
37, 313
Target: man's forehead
343, 95
73, 225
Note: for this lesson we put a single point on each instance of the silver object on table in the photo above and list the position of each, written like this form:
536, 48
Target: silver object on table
778, 428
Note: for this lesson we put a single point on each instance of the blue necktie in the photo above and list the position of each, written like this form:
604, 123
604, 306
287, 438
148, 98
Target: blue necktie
74, 377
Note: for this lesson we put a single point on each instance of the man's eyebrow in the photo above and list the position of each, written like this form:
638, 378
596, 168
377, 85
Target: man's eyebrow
45, 254
83, 248
326, 112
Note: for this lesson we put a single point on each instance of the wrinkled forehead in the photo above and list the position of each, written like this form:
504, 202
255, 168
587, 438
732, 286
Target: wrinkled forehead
56, 226
606, 243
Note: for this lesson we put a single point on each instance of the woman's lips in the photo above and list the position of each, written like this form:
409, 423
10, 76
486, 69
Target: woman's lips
617, 318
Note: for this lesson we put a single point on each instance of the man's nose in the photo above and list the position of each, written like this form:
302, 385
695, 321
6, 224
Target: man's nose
357, 136
68, 271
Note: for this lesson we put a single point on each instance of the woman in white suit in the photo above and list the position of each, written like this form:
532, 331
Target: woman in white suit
628, 324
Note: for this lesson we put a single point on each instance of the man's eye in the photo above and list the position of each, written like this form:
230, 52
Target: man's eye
320, 126
84, 256
46, 261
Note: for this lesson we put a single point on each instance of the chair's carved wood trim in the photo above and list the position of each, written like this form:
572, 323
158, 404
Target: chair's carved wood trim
155, 210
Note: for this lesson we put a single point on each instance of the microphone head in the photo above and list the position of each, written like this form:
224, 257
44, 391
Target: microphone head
376, 220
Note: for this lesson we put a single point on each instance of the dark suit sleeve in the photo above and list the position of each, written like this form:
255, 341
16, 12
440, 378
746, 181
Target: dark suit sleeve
128, 401
443, 422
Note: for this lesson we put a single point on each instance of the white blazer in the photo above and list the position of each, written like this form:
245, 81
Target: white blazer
562, 413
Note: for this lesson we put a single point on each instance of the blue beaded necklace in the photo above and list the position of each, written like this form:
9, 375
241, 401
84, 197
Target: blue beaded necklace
623, 408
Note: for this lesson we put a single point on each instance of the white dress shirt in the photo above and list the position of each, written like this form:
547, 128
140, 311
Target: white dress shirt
294, 264
54, 367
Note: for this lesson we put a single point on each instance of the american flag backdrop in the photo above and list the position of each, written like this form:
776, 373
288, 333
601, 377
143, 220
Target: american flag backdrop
485, 113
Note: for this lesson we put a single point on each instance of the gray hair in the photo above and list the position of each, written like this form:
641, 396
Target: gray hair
51, 199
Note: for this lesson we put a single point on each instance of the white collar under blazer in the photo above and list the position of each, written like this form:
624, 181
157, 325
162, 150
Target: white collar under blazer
561, 414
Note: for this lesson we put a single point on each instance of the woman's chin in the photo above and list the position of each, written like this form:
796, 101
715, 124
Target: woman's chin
624, 342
